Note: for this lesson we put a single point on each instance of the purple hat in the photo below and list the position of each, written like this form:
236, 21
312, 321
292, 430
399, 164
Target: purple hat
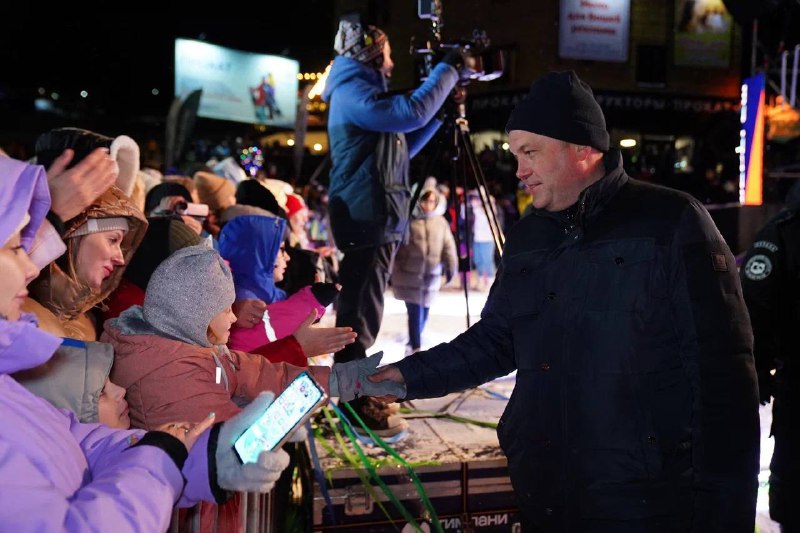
23, 193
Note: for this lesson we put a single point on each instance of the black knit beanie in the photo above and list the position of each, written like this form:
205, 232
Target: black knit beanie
561, 106
51, 144
164, 236
251, 192
161, 191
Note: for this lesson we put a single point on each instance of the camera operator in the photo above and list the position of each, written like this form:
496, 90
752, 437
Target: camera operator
372, 137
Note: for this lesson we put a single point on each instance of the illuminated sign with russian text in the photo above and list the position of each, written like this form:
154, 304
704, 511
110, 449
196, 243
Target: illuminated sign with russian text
594, 29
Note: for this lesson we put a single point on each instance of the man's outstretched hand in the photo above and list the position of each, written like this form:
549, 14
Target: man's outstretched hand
388, 373
353, 379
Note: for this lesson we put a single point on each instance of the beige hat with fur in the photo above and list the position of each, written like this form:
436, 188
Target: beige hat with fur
216, 191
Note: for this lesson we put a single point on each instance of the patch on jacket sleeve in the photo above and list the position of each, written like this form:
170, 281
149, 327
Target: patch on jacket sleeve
719, 262
771, 246
758, 267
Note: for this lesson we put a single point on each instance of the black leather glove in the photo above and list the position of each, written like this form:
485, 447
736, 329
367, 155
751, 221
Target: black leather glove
325, 293
454, 58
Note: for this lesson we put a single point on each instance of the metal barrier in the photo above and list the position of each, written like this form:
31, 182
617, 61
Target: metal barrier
255, 513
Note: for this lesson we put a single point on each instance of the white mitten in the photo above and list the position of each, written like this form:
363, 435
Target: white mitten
249, 477
299, 435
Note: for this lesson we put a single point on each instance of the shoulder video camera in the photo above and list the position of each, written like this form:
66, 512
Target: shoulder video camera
482, 62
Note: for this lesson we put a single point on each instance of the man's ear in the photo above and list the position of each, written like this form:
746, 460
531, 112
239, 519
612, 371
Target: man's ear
582, 152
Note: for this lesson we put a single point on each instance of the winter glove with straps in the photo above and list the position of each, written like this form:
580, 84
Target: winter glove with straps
349, 380
249, 477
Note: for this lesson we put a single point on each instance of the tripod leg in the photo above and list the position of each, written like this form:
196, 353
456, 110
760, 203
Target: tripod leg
477, 171
462, 244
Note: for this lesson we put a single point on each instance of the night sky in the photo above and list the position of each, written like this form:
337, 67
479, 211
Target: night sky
120, 61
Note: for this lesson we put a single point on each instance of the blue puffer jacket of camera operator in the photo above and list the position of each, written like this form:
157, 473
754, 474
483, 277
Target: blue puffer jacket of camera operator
372, 136
636, 403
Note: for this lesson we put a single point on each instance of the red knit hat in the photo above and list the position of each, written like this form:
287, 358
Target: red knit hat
294, 203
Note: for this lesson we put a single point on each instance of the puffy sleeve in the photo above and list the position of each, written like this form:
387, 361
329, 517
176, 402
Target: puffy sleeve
403, 113
256, 374
127, 489
716, 352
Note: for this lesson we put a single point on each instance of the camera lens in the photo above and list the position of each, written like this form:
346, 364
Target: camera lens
181, 206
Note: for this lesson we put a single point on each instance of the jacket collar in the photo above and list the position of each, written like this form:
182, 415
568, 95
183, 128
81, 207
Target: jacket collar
595, 197
345, 69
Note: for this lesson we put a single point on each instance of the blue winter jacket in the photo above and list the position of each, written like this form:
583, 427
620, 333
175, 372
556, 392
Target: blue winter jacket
369, 189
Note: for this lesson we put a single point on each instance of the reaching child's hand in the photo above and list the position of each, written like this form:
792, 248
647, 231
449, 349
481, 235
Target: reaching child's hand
248, 312
318, 341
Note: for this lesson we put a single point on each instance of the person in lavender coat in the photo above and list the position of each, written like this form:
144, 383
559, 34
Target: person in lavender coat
57, 474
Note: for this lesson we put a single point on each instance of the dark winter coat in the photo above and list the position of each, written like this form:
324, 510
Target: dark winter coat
771, 282
636, 403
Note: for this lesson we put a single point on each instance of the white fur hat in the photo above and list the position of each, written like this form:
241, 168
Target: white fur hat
150, 178
279, 189
125, 152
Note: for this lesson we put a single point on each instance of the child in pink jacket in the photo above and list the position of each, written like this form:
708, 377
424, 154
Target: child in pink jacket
253, 247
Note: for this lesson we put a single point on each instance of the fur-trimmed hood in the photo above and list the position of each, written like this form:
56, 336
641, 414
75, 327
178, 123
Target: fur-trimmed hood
58, 288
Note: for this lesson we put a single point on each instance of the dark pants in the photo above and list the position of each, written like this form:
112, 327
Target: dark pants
363, 274
417, 318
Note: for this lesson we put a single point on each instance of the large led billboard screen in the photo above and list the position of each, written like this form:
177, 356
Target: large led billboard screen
239, 86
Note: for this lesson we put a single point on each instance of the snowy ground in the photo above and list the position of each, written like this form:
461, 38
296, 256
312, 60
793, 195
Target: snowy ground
448, 318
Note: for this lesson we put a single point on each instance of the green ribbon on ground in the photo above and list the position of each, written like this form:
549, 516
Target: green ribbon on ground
386, 490
355, 464
391, 451
448, 416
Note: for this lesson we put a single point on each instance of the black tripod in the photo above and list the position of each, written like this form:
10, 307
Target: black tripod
462, 157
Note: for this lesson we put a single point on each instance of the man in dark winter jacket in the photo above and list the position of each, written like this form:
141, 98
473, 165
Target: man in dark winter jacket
771, 284
619, 306
372, 136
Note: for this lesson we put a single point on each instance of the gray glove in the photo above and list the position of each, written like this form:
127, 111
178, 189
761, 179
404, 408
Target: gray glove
250, 477
349, 380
